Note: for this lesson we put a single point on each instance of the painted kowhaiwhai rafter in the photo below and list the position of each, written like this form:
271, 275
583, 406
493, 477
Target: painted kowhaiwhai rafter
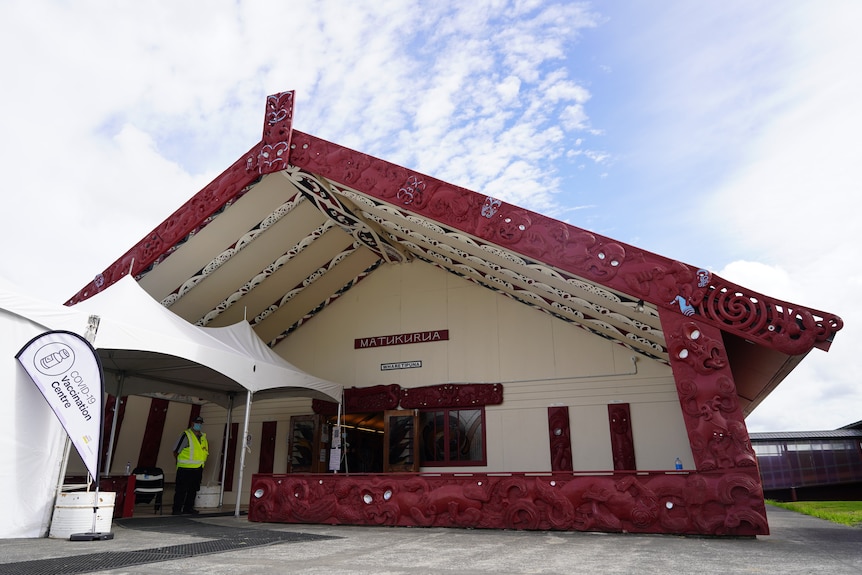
244, 241
304, 284
630, 341
322, 305
504, 279
569, 299
598, 324
267, 272
325, 197
401, 224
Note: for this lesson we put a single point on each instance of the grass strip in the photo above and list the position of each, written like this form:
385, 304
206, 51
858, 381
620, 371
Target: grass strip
843, 512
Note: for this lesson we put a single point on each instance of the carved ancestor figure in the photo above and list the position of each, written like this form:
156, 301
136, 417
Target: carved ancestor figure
719, 440
622, 444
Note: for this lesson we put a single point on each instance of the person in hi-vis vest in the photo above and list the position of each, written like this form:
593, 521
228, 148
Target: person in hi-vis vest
190, 451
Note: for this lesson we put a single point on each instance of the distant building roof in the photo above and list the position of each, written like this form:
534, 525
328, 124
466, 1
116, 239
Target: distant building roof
803, 435
857, 425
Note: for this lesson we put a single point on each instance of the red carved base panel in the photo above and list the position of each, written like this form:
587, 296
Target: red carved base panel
638, 502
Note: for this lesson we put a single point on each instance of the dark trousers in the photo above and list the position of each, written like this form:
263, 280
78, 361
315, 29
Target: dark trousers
187, 485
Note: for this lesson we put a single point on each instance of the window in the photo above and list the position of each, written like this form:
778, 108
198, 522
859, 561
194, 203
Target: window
766, 449
452, 437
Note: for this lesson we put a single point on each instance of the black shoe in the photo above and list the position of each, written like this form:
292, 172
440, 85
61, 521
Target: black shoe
175, 512
191, 512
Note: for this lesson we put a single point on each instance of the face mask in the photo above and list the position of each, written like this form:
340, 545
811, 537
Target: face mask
196, 426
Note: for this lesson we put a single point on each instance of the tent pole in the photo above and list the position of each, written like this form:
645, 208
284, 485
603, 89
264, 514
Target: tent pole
110, 454
244, 448
224, 450
64, 463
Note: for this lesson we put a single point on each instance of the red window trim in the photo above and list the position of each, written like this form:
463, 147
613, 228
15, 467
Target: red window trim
458, 462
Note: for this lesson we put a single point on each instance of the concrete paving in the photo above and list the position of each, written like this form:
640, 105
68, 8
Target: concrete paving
223, 544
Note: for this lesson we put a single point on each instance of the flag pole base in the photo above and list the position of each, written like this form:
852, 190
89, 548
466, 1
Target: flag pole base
92, 536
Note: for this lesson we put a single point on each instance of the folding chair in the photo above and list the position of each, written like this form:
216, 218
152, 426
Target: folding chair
149, 485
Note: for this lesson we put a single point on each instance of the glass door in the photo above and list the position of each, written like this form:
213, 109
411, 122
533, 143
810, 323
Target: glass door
401, 445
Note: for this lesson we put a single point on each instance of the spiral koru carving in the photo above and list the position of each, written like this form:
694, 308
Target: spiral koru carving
791, 329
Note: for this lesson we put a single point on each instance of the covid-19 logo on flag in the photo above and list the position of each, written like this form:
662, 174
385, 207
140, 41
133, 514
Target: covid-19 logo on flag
66, 369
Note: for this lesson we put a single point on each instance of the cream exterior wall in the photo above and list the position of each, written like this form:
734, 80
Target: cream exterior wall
540, 360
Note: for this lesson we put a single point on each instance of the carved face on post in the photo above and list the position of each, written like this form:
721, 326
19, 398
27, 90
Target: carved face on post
702, 353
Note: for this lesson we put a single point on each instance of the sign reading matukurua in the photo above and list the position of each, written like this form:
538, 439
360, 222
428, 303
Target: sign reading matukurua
65, 368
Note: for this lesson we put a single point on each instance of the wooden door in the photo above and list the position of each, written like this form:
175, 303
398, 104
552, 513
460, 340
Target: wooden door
307, 444
400, 440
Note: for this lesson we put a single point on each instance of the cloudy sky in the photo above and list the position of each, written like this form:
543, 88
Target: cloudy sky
727, 135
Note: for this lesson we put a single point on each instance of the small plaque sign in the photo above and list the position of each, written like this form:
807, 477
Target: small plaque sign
400, 365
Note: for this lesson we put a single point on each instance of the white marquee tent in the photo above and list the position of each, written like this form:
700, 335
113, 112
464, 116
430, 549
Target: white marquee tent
144, 348
207, 362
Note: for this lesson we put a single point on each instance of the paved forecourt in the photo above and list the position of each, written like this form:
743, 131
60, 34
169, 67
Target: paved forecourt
222, 544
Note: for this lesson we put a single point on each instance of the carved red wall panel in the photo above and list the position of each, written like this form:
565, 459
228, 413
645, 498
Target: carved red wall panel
708, 397
323, 407
707, 394
373, 398
383, 397
152, 439
622, 441
231, 456
267, 447
452, 395
560, 438
643, 502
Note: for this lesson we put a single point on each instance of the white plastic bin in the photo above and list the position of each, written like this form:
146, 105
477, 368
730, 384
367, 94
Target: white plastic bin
73, 513
207, 497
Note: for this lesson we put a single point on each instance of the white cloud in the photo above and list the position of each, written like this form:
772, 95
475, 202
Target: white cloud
117, 113
509, 88
794, 201
739, 127
823, 391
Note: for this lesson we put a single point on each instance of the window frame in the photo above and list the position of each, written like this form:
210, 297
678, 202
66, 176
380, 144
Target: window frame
448, 461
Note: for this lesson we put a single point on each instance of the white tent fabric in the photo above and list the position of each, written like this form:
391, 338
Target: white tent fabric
31, 437
271, 366
144, 348
210, 363
221, 357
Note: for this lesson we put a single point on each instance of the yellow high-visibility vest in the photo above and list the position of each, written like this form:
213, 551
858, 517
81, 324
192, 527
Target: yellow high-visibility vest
195, 453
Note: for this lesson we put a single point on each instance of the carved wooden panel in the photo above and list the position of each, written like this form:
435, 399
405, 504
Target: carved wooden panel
323, 407
372, 398
646, 502
707, 394
227, 465
152, 439
267, 447
622, 442
560, 437
452, 395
